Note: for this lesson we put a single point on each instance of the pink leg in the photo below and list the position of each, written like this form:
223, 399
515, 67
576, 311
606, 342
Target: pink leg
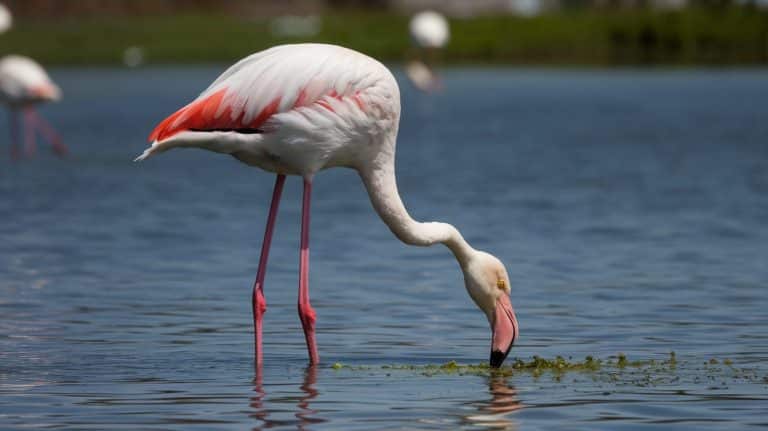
30, 147
13, 126
258, 302
49, 132
306, 313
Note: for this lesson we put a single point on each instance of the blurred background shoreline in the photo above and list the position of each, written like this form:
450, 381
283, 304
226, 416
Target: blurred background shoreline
675, 33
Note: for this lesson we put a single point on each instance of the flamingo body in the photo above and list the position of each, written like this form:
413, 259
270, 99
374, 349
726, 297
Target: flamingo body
293, 123
299, 109
23, 81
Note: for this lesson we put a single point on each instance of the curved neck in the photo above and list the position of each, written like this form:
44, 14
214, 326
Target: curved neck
381, 184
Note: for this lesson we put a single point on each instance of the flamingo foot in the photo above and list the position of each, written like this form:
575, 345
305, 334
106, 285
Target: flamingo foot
308, 318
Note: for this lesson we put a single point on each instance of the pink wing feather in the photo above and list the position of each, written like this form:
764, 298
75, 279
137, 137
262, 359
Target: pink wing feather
270, 82
204, 114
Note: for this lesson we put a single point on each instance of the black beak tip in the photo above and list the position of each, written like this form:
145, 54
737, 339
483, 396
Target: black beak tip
497, 358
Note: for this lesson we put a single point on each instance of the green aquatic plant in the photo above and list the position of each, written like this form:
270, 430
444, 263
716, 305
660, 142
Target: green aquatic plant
622, 361
538, 365
616, 370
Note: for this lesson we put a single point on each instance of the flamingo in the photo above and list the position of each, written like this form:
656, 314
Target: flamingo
429, 33
6, 19
300, 109
24, 84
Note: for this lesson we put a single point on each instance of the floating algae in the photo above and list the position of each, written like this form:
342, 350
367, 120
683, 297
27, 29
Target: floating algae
617, 368
537, 365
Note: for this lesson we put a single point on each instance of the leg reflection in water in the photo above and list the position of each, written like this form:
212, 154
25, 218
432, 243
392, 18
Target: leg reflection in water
257, 400
497, 412
304, 415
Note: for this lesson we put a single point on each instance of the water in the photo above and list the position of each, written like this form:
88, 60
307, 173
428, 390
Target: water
631, 209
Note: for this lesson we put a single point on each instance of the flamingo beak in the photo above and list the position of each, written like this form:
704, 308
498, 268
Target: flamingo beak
504, 331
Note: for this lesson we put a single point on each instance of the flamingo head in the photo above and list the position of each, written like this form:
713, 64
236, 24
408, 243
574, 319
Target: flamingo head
46, 91
488, 285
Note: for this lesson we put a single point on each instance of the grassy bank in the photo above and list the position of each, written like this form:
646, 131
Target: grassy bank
691, 37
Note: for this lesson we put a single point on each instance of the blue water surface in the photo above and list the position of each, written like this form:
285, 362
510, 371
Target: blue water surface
631, 209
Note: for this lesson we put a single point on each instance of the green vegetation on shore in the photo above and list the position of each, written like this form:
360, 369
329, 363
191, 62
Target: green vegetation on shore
726, 36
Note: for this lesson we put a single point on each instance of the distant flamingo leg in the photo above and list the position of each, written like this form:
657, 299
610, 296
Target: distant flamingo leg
13, 126
306, 313
30, 146
258, 303
48, 132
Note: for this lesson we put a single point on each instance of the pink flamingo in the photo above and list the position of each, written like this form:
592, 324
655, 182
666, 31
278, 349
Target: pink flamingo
430, 33
24, 84
299, 109
6, 19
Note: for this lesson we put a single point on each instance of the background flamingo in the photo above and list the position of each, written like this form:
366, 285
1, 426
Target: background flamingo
299, 109
24, 84
429, 33
6, 19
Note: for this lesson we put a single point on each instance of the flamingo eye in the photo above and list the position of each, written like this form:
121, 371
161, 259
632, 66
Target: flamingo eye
501, 284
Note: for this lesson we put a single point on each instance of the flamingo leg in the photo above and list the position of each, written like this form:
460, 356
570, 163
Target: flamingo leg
48, 132
30, 146
258, 302
13, 126
306, 313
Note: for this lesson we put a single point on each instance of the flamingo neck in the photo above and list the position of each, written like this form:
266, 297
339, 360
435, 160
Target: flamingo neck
381, 184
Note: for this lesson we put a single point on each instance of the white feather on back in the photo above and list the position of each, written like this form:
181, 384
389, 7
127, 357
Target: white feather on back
290, 72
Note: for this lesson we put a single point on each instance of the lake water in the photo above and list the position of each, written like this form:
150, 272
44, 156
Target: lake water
631, 209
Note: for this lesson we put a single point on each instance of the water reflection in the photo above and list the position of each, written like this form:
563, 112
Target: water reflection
304, 414
259, 412
496, 413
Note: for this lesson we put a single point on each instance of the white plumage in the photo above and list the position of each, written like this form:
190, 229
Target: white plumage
429, 29
24, 81
298, 109
6, 19
422, 76
314, 101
